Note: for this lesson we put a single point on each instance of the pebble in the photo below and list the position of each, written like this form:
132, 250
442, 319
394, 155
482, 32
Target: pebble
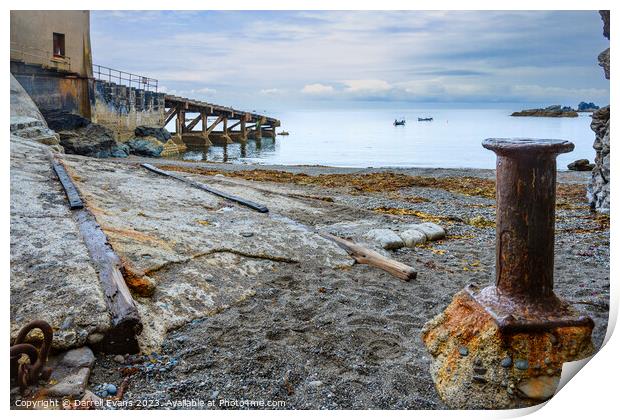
315, 384
479, 370
247, 234
119, 358
463, 351
547, 360
214, 394
480, 379
553, 339
506, 362
522, 364
111, 389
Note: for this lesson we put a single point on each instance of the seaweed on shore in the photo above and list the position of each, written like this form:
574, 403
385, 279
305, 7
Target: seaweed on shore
567, 194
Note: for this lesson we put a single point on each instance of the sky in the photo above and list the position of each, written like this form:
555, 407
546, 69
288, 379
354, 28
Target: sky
283, 59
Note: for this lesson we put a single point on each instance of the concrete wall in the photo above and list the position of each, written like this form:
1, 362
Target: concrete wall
122, 109
32, 39
53, 91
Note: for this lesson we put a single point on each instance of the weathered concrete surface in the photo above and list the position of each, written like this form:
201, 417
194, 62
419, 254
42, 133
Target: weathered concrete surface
122, 108
476, 366
52, 277
26, 120
188, 253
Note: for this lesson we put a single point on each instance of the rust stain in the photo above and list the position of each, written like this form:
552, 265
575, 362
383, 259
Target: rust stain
134, 235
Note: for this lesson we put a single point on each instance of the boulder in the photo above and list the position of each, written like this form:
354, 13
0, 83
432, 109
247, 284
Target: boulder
160, 133
386, 238
63, 121
93, 140
581, 165
413, 237
432, 231
145, 146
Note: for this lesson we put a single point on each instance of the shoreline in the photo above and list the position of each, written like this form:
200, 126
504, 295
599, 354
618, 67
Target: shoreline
567, 176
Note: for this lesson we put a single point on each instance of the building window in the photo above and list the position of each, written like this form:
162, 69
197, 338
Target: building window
59, 45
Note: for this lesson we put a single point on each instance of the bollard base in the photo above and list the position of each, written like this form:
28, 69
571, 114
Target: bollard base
478, 365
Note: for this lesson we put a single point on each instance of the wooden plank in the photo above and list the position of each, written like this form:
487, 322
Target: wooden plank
255, 206
366, 256
75, 202
126, 322
172, 112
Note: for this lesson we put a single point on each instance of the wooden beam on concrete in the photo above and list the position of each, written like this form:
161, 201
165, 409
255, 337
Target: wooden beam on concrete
126, 321
75, 202
255, 206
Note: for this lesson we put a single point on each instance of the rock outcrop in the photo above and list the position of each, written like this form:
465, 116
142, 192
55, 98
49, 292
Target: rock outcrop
598, 189
92, 140
145, 146
551, 111
581, 165
160, 133
587, 107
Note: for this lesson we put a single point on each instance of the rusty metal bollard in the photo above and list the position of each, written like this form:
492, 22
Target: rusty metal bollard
522, 297
503, 346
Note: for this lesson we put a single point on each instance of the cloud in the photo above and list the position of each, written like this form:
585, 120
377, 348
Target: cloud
358, 55
367, 86
317, 89
271, 91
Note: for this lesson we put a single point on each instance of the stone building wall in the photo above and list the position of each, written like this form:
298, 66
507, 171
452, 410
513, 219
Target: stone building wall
122, 108
598, 189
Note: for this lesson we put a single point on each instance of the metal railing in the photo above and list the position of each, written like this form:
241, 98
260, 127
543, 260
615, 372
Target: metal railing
124, 78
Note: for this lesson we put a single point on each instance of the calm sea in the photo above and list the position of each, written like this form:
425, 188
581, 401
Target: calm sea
367, 138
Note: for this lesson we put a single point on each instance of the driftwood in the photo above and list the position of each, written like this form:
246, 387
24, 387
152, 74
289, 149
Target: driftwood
366, 256
126, 322
255, 206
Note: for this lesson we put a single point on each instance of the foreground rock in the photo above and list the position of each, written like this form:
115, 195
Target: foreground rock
52, 276
554, 111
187, 253
477, 366
581, 165
70, 373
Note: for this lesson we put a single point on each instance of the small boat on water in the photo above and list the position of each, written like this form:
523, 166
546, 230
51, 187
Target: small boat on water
401, 122
425, 119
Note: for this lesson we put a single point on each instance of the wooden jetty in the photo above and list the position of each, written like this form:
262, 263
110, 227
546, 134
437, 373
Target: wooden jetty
201, 123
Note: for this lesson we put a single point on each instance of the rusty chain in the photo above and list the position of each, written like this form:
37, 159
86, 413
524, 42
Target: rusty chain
28, 374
